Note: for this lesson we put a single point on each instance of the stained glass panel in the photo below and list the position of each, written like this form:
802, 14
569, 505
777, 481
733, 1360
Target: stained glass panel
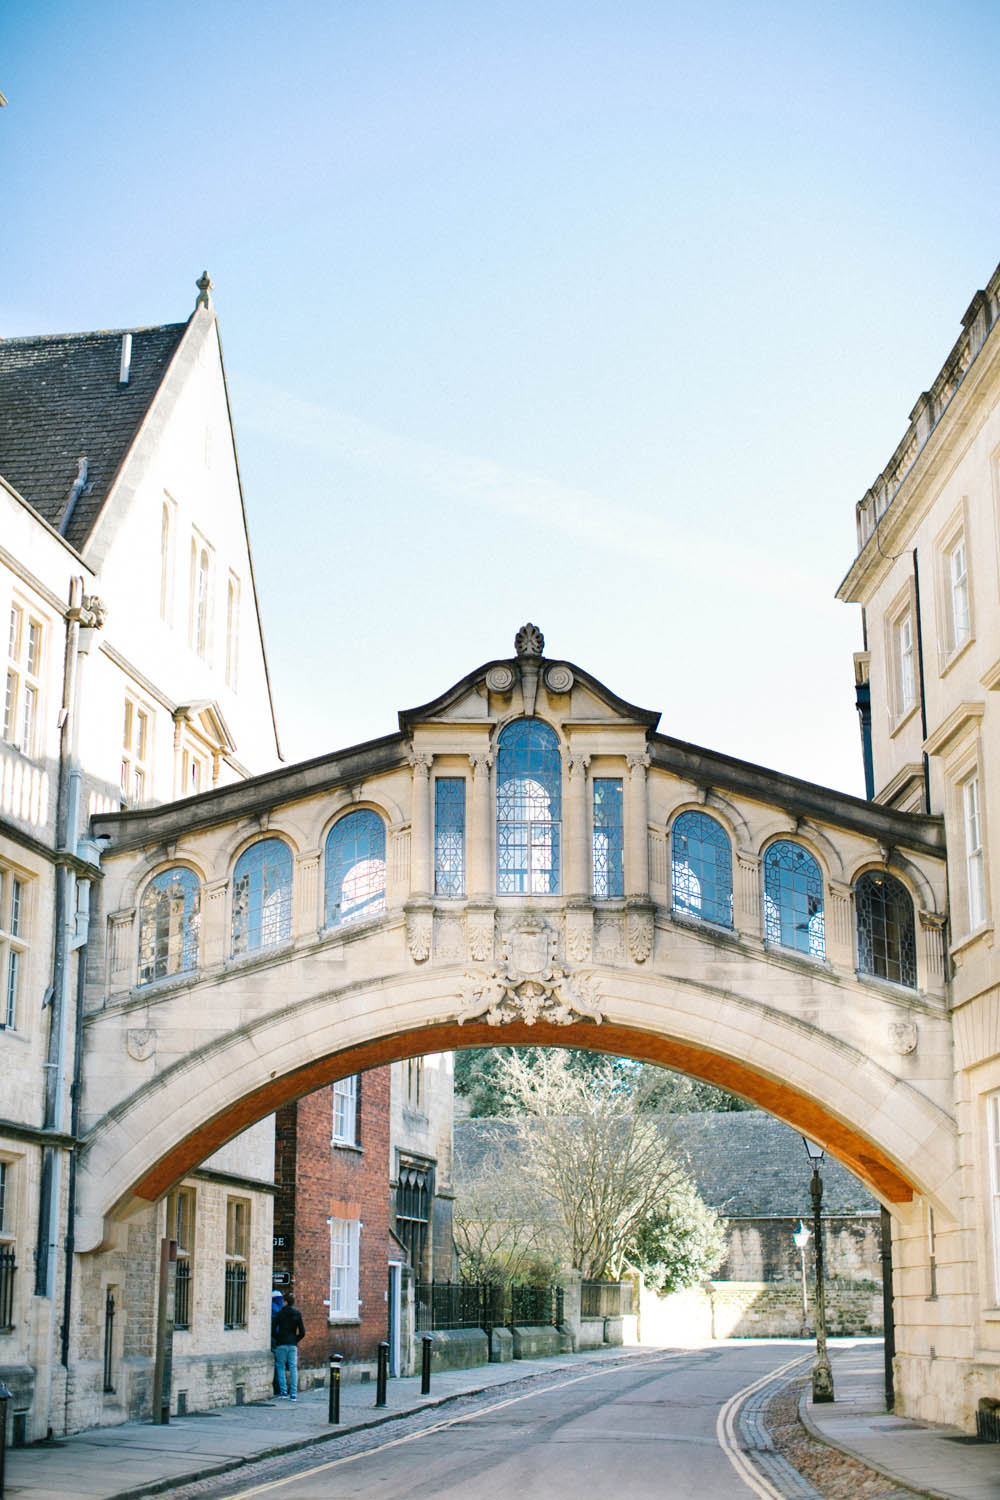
609, 837
262, 897
886, 940
169, 925
449, 836
355, 868
701, 863
793, 899
529, 809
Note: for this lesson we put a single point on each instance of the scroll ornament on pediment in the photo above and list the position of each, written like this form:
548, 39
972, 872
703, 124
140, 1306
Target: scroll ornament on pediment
529, 985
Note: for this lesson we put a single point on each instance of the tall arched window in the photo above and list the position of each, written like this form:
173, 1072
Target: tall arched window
529, 809
201, 604
355, 868
169, 925
262, 897
701, 864
165, 562
886, 940
793, 899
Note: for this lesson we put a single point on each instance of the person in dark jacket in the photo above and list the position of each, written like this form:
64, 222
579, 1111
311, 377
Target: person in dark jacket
287, 1332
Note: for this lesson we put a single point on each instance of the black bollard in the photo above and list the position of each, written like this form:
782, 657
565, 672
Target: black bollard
425, 1366
383, 1374
333, 1414
5, 1396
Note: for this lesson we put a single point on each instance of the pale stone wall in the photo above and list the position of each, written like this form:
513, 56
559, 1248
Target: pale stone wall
754, 1309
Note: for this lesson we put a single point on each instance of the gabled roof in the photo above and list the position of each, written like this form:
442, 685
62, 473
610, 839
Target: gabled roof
61, 400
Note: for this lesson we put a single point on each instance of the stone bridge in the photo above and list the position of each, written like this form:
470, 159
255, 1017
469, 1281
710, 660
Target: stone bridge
528, 860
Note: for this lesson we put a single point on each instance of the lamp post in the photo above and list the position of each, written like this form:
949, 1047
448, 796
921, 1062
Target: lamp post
822, 1375
801, 1239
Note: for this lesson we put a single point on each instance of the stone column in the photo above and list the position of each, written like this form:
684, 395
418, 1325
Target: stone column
479, 882
636, 825
420, 827
214, 933
746, 894
306, 917
576, 869
932, 927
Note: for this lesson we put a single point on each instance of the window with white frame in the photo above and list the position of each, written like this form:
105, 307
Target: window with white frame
905, 663
345, 1111
959, 615
201, 595
136, 741
232, 630
13, 952
993, 1136
345, 1288
22, 694
974, 868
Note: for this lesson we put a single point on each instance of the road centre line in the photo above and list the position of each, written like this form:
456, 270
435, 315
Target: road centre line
412, 1437
726, 1434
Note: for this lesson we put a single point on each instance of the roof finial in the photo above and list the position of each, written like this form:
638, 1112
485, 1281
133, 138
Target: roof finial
204, 285
529, 641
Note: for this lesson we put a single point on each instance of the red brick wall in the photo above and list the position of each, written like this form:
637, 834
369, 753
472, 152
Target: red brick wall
317, 1181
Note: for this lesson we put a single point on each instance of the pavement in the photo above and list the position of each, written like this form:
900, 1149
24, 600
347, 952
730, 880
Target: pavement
137, 1459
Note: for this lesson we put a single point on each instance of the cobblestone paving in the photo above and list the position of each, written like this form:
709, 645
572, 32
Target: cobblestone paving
825, 1471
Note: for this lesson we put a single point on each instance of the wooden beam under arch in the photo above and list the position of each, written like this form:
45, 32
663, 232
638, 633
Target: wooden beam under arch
788, 1104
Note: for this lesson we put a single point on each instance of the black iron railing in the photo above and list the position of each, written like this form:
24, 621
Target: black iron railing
182, 1294
7, 1269
605, 1299
473, 1304
235, 1312
535, 1306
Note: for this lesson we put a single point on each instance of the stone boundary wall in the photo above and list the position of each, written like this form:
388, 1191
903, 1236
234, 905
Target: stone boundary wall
755, 1309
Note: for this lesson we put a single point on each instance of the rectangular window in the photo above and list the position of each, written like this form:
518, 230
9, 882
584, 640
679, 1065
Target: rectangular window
344, 1268
345, 1111
993, 1132
415, 1082
609, 837
413, 1205
449, 836
199, 630
974, 871
13, 907
183, 1233
232, 631
958, 581
906, 681
23, 686
237, 1249
8, 1264
136, 741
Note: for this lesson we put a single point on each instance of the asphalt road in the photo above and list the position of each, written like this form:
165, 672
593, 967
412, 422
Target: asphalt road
643, 1431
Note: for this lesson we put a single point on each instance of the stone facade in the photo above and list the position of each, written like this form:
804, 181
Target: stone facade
926, 578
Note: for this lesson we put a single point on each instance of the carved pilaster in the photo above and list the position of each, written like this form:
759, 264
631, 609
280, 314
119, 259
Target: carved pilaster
420, 825
120, 946
932, 932
577, 877
399, 865
213, 923
305, 915
839, 925
657, 844
480, 849
747, 893
636, 850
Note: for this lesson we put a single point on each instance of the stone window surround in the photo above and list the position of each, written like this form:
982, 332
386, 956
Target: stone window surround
954, 532
904, 603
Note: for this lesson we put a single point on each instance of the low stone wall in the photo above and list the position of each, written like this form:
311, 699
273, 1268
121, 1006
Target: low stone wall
536, 1343
458, 1349
501, 1346
755, 1309
591, 1334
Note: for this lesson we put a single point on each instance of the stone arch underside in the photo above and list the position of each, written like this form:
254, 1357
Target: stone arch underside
885, 1130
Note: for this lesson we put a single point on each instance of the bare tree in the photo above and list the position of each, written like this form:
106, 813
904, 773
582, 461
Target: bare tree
589, 1147
502, 1223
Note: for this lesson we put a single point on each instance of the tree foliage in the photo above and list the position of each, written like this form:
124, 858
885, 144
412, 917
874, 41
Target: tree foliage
595, 1163
479, 1080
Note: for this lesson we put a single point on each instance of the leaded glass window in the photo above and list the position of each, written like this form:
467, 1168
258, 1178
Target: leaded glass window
355, 868
529, 809
609, 837
793, 899
169, 925
886, 939
701, 869
262, 897
449, 836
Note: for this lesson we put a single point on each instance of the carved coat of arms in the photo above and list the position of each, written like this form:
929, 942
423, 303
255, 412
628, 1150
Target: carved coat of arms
529, 984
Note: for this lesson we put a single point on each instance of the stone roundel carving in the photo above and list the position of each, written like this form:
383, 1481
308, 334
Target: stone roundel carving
500, 679
559, 679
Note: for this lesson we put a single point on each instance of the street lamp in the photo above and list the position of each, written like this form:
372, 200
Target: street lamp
801, 1239
822, 1375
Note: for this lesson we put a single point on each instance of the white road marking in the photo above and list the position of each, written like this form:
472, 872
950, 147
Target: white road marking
725, 1431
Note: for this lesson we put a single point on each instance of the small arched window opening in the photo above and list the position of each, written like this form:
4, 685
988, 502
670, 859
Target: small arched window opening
793, 899
701, 865
262, 897
165, 562
529, 809
355, 868
169, 925
887, 945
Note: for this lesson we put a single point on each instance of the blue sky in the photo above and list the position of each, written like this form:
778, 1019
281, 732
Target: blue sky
602, 315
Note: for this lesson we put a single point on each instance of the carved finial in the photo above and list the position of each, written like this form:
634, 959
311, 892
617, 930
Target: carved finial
204, 285
529, 641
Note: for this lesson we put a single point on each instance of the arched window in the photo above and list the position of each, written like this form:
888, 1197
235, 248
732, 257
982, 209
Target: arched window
262, 897
793, 899
355, 868
701, 864
529, 809
886, 941
169, 925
